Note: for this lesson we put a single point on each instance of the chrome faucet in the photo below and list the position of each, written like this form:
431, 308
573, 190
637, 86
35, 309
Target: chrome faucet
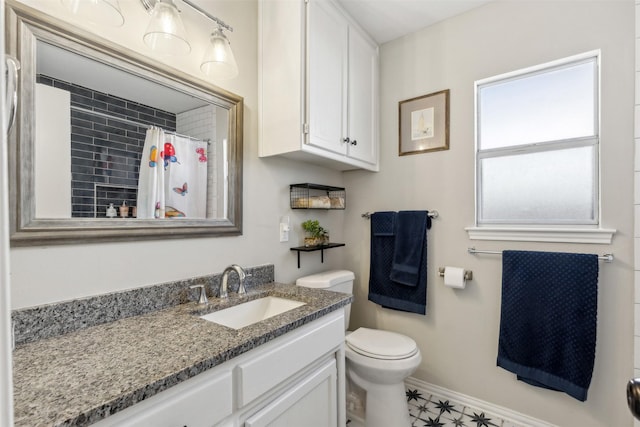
225, 278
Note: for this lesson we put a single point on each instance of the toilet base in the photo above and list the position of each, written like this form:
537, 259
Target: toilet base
387, 406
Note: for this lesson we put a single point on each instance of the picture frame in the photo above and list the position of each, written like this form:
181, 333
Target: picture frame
424, 123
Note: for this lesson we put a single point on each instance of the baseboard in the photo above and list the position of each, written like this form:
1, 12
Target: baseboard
499, 411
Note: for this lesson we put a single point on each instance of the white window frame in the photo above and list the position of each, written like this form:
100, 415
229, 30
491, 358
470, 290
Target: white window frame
570, 232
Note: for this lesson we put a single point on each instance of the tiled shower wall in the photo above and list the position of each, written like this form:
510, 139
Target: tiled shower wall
105, 151
201, 123
636, 342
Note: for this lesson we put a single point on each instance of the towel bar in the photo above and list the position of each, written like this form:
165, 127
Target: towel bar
431, 214
605, 257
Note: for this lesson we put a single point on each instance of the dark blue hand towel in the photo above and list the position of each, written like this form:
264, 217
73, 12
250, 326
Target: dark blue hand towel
383, 224
382, 290
410, 247
548, 319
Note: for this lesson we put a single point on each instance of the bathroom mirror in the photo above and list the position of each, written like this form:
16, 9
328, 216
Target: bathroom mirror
77, 151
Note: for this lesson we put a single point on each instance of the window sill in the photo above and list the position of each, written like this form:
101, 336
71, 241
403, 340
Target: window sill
559, 235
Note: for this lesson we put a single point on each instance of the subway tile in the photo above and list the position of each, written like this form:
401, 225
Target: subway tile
123, 181
165, 115
109, 99
83, 162
81, 169
109, 144
88, 132
136, 135
81, 139
82, 201
83, 186
125, 140
81, 123
77, 192
87, 178
149, 118
140, 108
80, 90
93, 118
108, 129
45, 80
81, 154
89, 103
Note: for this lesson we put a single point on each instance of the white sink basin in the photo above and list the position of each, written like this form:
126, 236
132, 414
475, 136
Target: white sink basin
251, 312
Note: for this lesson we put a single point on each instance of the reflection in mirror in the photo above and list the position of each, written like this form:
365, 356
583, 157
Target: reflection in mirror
111, 146
91, 124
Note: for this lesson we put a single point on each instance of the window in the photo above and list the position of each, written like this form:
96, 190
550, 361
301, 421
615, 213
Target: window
537, 146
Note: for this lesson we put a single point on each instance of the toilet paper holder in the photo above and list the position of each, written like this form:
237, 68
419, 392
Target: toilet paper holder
468, 274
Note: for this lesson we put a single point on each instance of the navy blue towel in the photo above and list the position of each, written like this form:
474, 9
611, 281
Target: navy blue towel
383, 224
410, 247
383, 290
548, 319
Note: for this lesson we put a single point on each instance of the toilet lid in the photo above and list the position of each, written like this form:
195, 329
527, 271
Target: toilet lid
381, 344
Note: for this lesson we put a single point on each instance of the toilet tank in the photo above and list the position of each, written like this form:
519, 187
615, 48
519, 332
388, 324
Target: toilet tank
333, 280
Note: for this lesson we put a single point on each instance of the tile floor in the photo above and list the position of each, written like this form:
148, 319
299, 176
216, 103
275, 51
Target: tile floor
429, 410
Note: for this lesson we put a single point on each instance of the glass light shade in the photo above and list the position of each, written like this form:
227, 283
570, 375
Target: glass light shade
218, 61
166, 33
104, 12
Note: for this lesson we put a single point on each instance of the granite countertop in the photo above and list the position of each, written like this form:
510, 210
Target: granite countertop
79, 378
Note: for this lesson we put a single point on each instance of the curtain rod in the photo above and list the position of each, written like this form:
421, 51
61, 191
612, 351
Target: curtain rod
134, 123
605, 257
430, 214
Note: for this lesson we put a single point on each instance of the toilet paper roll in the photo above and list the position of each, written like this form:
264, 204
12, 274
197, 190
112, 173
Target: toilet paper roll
454, 277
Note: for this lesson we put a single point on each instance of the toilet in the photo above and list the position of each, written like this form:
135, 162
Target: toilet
377, 361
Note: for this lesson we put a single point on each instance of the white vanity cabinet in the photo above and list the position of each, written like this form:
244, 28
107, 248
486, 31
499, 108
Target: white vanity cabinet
294, 380
318, 78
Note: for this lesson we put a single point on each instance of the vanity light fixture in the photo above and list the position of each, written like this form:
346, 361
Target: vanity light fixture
219, 61
97, 11
165, 33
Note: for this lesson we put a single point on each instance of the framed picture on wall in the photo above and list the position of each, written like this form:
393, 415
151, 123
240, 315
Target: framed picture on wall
424, 123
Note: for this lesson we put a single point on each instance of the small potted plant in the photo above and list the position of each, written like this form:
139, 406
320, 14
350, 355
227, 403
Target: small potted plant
315, 234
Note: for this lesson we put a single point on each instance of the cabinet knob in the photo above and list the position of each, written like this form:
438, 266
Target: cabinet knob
347, 140
354, 142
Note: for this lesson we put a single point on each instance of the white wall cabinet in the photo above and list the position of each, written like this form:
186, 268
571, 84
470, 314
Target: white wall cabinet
296, 379
318, 82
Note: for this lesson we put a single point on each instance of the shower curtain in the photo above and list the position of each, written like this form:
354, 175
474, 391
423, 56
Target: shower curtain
173, 177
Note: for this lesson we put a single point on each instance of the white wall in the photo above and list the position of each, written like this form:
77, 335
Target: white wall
458, 337
53, 152
56, 273
636, 306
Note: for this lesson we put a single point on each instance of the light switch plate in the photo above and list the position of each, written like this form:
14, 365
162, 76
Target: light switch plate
284, 228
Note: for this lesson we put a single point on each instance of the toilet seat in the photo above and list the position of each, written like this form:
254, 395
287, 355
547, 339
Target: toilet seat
383, 345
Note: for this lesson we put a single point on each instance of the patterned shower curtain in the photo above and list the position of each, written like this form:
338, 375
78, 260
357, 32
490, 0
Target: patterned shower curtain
173, 177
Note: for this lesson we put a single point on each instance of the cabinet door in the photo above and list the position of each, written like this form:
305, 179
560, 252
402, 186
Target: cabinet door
327, 76
310, 403
363, 93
